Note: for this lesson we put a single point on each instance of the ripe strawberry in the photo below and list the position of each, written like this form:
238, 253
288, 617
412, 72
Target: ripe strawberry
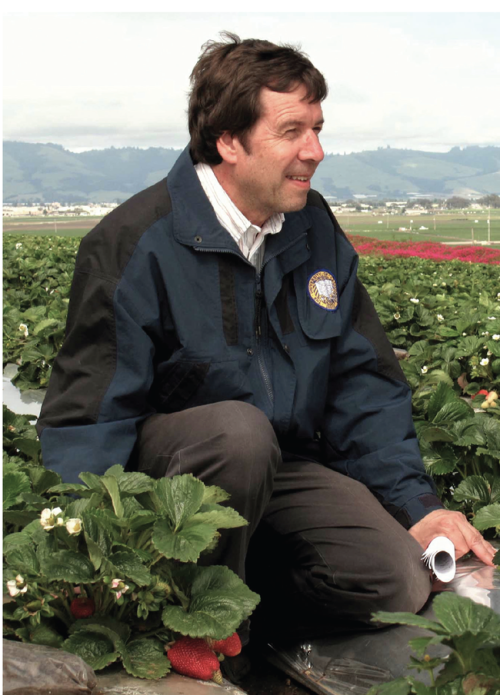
482, 392
231, 646
192, 657
82, 607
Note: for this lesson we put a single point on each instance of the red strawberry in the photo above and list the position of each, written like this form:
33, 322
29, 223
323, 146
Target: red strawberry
231, 646
192, 657
82, 607
482, 392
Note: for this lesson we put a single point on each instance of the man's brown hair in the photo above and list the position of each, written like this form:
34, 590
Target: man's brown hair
226, 83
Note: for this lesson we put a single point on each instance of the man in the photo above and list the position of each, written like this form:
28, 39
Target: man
216, 327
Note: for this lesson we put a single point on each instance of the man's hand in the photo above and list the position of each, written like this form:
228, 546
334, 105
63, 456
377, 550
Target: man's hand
453, 525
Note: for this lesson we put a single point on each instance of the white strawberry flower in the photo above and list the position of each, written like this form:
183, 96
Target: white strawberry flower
440, 317
74, 526
397, 316
48, 518
496, 336
14, 584
424, 369
464, 334
24, 329
415, 300
434, 284
121, 586
484, 362
491, 318
18, 245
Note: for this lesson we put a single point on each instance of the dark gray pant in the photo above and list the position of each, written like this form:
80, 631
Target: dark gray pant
324, 553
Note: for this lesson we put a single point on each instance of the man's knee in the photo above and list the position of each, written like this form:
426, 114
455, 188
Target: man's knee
403, 582
231, 439
245, 432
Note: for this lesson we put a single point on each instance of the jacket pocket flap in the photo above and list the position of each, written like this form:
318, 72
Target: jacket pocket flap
317, 303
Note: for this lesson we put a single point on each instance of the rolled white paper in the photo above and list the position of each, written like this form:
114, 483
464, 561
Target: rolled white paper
440, 557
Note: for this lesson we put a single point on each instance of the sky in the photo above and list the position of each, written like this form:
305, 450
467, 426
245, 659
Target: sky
415, 80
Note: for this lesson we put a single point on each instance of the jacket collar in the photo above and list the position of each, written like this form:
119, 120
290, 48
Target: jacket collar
196, 224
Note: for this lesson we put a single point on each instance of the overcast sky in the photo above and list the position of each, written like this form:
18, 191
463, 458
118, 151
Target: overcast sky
426, 81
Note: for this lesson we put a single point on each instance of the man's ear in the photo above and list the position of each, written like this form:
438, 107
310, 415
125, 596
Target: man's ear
227, 146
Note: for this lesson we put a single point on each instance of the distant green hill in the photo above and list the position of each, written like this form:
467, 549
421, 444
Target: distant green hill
48, 173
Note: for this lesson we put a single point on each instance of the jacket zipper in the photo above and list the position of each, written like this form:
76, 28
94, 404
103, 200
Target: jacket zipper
258, 341
258, 315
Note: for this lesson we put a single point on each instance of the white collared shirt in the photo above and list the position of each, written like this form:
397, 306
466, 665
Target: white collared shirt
248, 236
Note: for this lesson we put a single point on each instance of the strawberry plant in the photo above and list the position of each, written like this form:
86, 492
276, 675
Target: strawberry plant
472, 633
107, 569
37, 279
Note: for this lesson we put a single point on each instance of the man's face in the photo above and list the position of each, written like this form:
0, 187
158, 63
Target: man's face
272, 172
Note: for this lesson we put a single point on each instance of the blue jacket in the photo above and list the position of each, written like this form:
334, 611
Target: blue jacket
165, 314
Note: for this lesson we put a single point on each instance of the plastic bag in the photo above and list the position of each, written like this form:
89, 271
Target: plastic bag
33, 669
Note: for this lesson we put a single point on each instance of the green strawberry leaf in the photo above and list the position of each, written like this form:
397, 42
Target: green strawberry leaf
184, 545
147, 659
14, 484
218, 516
43, 634
487, 517
180, 497
46, 323
213, 494
451, 412
459, 615
128, 564
20, 518
70, 488
43, 479
135, 483
16, 540
121, 629
474, 488
95, 650
141, 518
92, 481
219, 602
111, 485
23, 559
30, 447
69, 566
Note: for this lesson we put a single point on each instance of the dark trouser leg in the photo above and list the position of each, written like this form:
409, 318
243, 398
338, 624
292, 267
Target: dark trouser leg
326, 555
229, 444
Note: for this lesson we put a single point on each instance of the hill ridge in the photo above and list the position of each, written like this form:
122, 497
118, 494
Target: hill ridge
36, 172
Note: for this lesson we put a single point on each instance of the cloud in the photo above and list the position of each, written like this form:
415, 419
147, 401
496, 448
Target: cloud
407, 80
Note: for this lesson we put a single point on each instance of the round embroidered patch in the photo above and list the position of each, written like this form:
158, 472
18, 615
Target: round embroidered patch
322, 288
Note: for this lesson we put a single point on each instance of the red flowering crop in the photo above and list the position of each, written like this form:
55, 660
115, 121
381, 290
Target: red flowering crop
432, 251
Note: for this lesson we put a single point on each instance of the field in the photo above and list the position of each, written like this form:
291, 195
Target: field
458, 227
452, 227
446, 315
40, 226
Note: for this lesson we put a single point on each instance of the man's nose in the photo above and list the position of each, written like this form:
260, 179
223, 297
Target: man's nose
311, 149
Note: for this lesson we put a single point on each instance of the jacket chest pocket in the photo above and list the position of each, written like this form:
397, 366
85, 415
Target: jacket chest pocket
317, 305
